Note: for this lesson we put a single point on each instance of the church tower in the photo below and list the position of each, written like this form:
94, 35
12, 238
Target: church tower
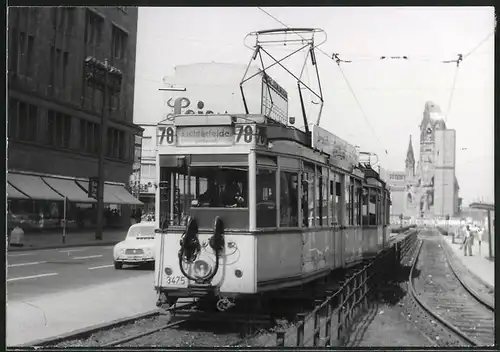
410, 162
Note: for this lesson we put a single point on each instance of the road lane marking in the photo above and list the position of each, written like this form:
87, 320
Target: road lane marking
31, 277
24, 264
73, 250
102, 266
20, 254
89, 257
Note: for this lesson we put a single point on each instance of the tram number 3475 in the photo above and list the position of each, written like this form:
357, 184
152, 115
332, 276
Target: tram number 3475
246, 133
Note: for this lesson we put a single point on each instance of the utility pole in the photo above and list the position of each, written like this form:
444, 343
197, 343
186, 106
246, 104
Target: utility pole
107, 79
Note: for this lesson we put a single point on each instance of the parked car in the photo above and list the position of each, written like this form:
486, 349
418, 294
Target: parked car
138, 246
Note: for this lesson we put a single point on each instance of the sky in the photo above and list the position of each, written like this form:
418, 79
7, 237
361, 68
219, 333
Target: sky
376, 104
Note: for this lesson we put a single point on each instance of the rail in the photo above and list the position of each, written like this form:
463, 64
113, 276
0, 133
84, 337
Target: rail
341, 307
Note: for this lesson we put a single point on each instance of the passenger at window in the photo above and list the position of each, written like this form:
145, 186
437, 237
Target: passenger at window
231, 197
209, 198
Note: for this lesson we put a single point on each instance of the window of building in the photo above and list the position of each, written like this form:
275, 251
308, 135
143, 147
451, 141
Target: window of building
266, 197
119, 43
289, 199
116, 144
22, 58
58, 129
89, 137
93, 28
23, 121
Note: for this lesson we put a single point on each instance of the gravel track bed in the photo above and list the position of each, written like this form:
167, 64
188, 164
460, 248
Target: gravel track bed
190, 334
437, 286
108, 336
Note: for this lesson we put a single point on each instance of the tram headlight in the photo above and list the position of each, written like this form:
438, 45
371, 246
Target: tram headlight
168, 271
201, 269
238, 273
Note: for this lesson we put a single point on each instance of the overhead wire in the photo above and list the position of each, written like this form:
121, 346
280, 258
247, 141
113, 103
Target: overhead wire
338, 61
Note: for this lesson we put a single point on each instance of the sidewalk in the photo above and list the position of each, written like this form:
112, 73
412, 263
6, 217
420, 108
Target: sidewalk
54, 240
56, 314
478, 264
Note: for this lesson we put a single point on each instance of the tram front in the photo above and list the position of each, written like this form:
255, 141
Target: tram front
204, 212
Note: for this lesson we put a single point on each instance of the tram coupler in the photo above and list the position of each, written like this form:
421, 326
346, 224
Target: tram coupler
225, 303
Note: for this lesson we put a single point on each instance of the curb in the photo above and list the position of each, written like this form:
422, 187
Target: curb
452, 252
86, 332
92, 244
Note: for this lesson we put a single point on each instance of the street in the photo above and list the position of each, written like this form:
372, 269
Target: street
56, 291
34, 273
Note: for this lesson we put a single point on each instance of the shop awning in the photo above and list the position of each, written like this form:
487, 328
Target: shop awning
114, 195
69, 189
121, 193
13, 193
33, 186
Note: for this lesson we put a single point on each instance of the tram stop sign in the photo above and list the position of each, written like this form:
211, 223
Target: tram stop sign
93, 186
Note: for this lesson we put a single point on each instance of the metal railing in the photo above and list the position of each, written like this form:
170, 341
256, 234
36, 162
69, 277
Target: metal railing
330, 322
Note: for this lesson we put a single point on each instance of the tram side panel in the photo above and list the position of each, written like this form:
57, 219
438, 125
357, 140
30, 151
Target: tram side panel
318, 251
371, 241
236, 273
353, 244
278, 256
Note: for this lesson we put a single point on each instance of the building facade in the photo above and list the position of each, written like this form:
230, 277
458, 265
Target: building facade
428, 186
54, 117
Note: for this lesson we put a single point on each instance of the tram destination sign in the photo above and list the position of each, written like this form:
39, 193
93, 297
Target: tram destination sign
205, 135
331, 144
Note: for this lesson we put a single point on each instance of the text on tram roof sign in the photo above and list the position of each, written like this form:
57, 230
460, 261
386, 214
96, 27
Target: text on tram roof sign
331, 144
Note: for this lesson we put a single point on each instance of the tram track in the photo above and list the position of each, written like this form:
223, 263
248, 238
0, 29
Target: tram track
441, 291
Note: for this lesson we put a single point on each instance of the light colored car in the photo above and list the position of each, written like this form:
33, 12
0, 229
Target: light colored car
138, 246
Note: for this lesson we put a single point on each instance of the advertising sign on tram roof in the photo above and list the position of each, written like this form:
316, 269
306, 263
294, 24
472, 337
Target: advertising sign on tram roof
329, 143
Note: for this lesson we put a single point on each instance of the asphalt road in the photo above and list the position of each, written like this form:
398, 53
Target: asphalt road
34, 273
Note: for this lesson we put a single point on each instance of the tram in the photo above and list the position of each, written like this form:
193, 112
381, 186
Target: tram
248, 204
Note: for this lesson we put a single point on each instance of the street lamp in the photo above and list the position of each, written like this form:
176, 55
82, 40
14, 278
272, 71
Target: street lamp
108, 79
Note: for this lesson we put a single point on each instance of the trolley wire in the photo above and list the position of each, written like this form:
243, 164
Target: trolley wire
337, 61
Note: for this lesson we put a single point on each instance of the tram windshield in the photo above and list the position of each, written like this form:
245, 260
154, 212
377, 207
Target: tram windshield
185, 186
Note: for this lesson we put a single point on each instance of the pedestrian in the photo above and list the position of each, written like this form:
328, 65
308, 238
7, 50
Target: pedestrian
467, 243
138, 215
479, 235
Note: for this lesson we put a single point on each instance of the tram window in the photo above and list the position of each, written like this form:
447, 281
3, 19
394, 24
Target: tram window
364, 207
334, 220
348, 201
372, 208
379, 210
307, 202
325, 201
338, 204
356, 204
318, 200
219, 187
289, 199
266, 198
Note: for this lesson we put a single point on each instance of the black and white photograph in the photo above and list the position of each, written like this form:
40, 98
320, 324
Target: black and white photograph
239, 177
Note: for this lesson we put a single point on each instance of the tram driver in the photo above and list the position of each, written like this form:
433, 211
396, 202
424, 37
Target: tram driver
231, 196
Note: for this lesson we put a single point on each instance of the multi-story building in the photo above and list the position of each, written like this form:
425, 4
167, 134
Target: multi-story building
429, 187
54, 117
